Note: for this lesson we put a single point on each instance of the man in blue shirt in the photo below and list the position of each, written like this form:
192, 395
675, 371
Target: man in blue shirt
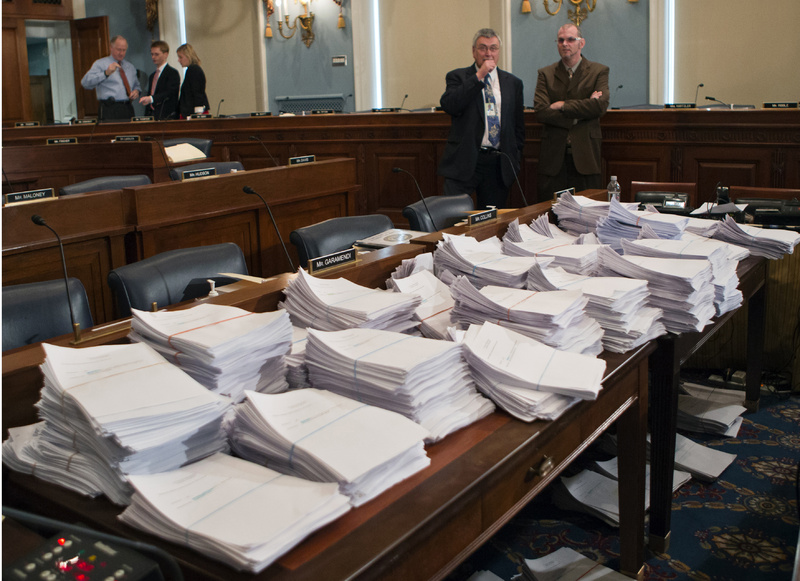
115, 81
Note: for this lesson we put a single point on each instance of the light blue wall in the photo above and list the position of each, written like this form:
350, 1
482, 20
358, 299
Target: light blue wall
616, 35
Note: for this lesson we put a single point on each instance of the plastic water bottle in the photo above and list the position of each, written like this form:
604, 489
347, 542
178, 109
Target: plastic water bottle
613, 189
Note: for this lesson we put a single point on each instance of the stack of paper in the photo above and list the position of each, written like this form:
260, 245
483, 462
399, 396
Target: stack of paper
577, 258
500, 357
437, 302
681, 288
568, 565
727, 295
543, 226
766, 242
618, 304
622, 224
610, 468
235, 511
296, 370
409, 266
578, 214
482, 262
556, 318
591, 493
327, 437
423, 379
700, 461
335, 304
130, 408
711, 410
227, 349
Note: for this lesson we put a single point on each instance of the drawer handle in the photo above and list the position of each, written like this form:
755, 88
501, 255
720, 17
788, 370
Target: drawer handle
541, 470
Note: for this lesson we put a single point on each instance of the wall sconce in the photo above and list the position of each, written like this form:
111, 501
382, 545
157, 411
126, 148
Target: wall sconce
305, 21
578, 15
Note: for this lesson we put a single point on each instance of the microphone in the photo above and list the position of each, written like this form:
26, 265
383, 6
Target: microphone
221, 101
251, 191
94, 128
697, 90
256, 138
424, 203
524, 199
76, 328
161, 109
403, 103
8, 181
617, 89
718, 101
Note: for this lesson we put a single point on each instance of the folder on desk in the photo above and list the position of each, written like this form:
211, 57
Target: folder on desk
182, 152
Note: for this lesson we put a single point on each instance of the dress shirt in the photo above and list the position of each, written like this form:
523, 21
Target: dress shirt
495, 83
110, 87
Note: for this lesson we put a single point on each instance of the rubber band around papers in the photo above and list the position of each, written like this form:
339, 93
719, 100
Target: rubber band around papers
330, 423
549, 361
169, 338
355, 362
508, 312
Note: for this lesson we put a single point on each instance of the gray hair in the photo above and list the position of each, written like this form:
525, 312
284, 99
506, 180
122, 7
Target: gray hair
486, 33
572, 25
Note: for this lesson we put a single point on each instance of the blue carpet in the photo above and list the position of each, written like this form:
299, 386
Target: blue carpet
743, 526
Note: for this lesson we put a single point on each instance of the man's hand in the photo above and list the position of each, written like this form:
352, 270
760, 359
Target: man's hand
146, 100
596, 95
558, 105
487, 67
111, 68
134, 95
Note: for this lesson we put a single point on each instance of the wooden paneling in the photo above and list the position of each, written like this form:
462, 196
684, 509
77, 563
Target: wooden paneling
16, 81
51, 10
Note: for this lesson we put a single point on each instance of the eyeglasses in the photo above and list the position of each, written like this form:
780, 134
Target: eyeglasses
568, 40
484, 48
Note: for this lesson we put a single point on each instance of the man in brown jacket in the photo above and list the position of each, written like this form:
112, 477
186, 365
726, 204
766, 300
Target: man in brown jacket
571, 96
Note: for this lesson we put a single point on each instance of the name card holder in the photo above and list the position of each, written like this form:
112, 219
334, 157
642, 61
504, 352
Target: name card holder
62, 141
322, 111
26, 124
557, 195
385, 109
84, 122
340, 258
680, 106
198, 173
481, 217
126, 138
301, 159
260, 114
143, 118
16, 198
201, 116
788, 105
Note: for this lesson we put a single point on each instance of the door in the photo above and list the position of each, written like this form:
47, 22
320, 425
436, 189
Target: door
90, 41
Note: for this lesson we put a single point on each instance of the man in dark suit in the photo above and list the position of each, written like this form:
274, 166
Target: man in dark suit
571, 96
487, 130
161, 99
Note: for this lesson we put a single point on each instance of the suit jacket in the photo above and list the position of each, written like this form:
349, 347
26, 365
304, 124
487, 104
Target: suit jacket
463, 101
579, 120
193, 91
165, 99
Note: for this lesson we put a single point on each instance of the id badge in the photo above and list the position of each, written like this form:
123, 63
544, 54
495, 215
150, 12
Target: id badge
491, 109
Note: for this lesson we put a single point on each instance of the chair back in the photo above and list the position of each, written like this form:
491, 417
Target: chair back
105, 183
173, 276
37, 311
737, 192
222, 167
674, 187
445, 210
203, 145
336, 234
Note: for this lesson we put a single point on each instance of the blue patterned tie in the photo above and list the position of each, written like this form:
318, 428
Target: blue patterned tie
492, 120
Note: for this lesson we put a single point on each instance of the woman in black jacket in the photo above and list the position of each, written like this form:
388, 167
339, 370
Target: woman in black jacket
193, 89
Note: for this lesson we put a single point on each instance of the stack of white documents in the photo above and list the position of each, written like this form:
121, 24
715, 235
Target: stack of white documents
708, 409
556, 318
681, 288
235, 511
577, 258
579, 215
702, 226
335, 304
591, 493
626, 223
543, 226
618, 304
700, 461
482, 262
129, 407
500, 357
568, 565
326, 437
227, 349
437, 302
423, 379
767, 242
409, 266
610, 468
297, 372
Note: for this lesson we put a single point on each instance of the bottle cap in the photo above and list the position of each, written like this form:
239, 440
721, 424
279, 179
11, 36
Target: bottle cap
613, 178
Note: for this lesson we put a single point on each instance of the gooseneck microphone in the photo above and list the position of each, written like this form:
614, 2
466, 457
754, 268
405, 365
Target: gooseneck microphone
76, 328
257, 138
516, 179
718, 101
161, 109
251, 191
424, 203
403, 102
221, 101
696, 91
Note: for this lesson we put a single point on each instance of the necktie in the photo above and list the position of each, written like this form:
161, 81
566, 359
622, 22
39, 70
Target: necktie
492, 120
155, 82
124, 78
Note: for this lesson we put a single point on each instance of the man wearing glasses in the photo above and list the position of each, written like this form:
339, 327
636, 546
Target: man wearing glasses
487, 128
571, 96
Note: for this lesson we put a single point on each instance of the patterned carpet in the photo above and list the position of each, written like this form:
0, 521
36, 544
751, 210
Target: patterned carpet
743, 526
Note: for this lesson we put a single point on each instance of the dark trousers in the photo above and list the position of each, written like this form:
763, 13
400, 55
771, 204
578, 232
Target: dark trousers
567, 177
486, 182
111, 110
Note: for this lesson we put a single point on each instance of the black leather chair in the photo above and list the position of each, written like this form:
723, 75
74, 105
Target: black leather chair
222, 167
37, 311
203, 145
173, 276
105, 183
336, 234
446, 211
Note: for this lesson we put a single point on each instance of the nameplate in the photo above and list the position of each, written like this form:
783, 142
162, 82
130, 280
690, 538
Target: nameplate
790, 105
260, 114
198, 173
557, 195
143, 118
29, 196
62, 140
385, 109
322, 111
201, 116
680, 106
331, 260
481, 217
26, 124
85, 122
123, 138
301, 159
